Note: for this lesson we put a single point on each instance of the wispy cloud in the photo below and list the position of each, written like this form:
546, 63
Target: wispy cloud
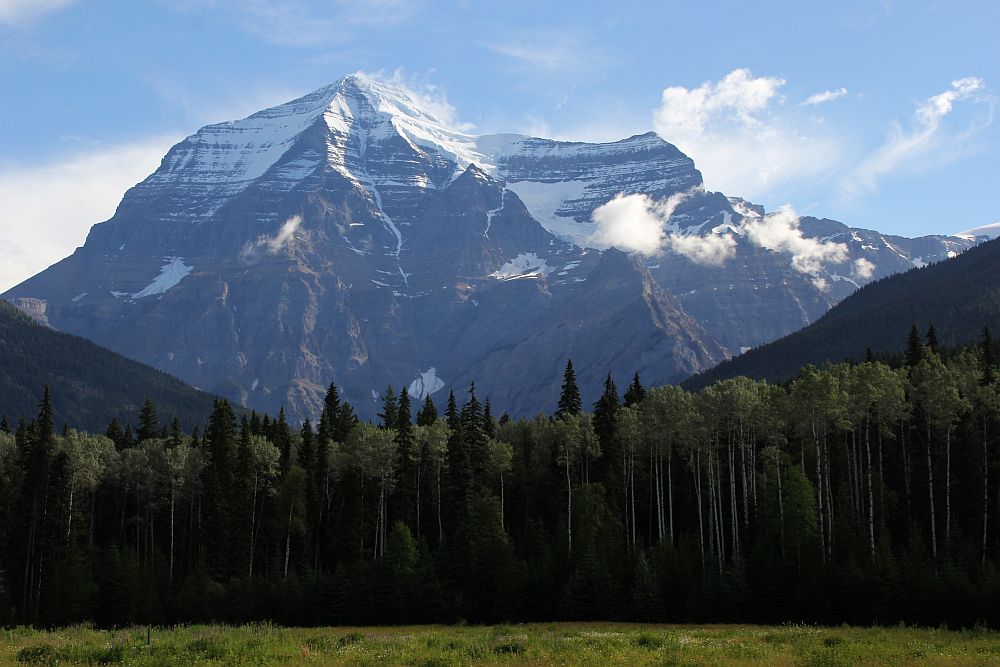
49, 207
550, 52
824, 97
927, 142
272, 245
299, 23
779, 231
735, 133
20, 12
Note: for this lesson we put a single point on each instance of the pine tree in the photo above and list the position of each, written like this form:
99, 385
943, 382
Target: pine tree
390, 411
220, 497
428, 413
149, 425
407, 459
489, 424
128, 439
932, 340
115, 433
283, 441
175, 432
4, 426
604, 413
345, 423
987, 357
451, 412
331, 413
569, 400
914, 347
635, 392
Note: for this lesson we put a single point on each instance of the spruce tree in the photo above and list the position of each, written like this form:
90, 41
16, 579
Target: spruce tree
489, 424
220, 494
635, 392
451, 411
932, 340
175, 432
283, 441
149, 425
604, 412
428, 413
331, 413
4, 426
345, 422
115, 433
914, 347
390, 411
569, 400
987, 357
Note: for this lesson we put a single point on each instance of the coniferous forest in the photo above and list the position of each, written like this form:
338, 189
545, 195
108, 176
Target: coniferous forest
859, 493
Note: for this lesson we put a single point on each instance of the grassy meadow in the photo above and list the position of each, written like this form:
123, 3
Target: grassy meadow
539, 644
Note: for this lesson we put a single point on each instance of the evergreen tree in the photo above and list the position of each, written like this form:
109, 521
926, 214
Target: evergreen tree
175, 432
4, 426
914, 347
635, 392
128, 439
220, 489
987, 358
149, 424
489, 424
932, 340
390, 410
115, 432
569, 400
282, 439
451, 412
428, 413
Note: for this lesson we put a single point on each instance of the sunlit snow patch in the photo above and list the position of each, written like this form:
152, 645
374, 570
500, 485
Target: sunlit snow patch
174, 271
426, 384
525, 265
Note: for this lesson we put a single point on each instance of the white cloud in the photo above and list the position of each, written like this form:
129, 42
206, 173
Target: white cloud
550, 52
863, 268
426, 94
732, 131
272, 245
20, 12
48, 208
636, 223
630, 223
711, 249
927, 143
824, 97
779, 231
300, 23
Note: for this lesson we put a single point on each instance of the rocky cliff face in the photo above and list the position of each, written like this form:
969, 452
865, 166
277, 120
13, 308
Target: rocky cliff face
351, 237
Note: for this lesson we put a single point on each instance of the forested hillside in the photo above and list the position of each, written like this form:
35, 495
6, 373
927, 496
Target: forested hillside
94, 384
957, 296
860, 494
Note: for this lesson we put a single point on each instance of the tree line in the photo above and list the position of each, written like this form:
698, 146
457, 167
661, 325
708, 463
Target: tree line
859, 493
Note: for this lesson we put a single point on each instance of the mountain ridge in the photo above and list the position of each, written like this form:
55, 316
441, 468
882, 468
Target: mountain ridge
351, 235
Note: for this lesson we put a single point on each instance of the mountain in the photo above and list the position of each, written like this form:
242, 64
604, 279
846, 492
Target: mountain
352, 236
958, 297
988, 231
90, 384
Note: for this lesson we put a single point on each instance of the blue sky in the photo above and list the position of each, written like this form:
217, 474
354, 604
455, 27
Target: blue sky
879, 113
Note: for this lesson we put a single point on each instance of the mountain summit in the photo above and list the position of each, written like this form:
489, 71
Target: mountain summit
353, 236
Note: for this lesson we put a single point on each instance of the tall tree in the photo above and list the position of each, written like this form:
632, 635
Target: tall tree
570, 403
149, 424
428, 413
635, 392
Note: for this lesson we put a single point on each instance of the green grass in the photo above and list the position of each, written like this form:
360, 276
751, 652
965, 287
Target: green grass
539, 644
